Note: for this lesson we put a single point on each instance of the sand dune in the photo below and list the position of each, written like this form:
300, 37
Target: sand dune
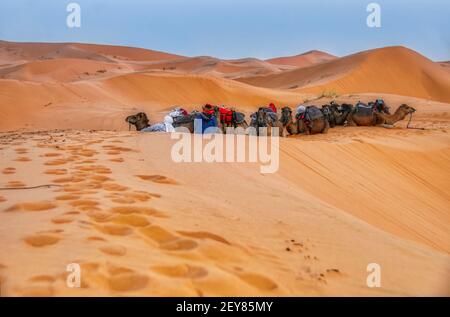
220, 68
445, 66
395, 70
105, 53
303, 60
104, 103
61, 70
139, 224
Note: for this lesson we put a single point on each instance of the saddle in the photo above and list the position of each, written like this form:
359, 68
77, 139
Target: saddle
183, 119
363, 109
313, 113
238, 117
226, 116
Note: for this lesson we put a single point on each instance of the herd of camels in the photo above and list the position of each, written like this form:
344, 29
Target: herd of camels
312, 120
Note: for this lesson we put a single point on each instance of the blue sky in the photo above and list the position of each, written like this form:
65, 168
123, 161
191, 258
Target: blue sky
233, 28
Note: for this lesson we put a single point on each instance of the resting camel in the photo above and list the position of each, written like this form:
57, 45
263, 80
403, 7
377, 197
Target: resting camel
264, 120
237, 120
356, 118
287, 121
319, 125
341, 113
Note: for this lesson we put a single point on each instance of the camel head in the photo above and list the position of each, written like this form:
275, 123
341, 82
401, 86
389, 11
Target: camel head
405, 109
261, 118
346, 107
140, 120
286, 116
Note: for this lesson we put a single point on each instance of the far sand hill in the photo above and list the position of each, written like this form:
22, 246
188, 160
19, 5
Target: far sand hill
395, 70
303, 60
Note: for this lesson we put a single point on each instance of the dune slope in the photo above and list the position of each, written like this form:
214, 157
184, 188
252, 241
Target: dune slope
140, 224
395, 70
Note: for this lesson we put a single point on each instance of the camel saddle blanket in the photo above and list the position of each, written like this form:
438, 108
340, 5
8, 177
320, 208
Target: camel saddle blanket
239, 117
313, 113
183, 119
226, 115
363, 109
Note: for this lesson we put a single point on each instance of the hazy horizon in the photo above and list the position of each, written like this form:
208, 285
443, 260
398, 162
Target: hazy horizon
232, 29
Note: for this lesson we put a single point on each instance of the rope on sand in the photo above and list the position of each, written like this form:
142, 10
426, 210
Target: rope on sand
409, 122
32, 187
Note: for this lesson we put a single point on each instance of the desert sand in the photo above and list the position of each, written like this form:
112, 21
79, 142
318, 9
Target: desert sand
140, 224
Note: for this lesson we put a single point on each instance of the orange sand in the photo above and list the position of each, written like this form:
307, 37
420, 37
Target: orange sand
140, 224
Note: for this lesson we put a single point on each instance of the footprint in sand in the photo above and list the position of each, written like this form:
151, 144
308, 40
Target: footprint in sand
58, 171
15, 184
181, 271
51, 154
37, 291
67, 197
100, 178
22, 159
256, 280
158, 179
115, 250
138, 210
62, 220
21, 151
56, 162
131, 198
42, 279
132, 220
32, 206
71, 213
84, 152
167, 240
204, 235
128, 282
95, 238
41, 240
8, 170
333, 273
84, 203
99, 216
115, 230
70, 179
113, 187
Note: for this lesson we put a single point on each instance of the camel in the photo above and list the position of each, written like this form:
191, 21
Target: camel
339, 113
371, 118
140, 121
318, 125
237, 120
264, 120
287, 121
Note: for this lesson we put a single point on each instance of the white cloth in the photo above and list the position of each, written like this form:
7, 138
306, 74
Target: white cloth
301, 109
168, 122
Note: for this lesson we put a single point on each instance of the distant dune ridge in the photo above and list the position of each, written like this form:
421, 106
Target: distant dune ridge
303, 60
43, 78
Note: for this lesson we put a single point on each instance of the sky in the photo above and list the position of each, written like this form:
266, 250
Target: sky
235, 28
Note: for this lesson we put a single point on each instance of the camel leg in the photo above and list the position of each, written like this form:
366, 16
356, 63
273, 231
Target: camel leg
350, 121
326, 128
